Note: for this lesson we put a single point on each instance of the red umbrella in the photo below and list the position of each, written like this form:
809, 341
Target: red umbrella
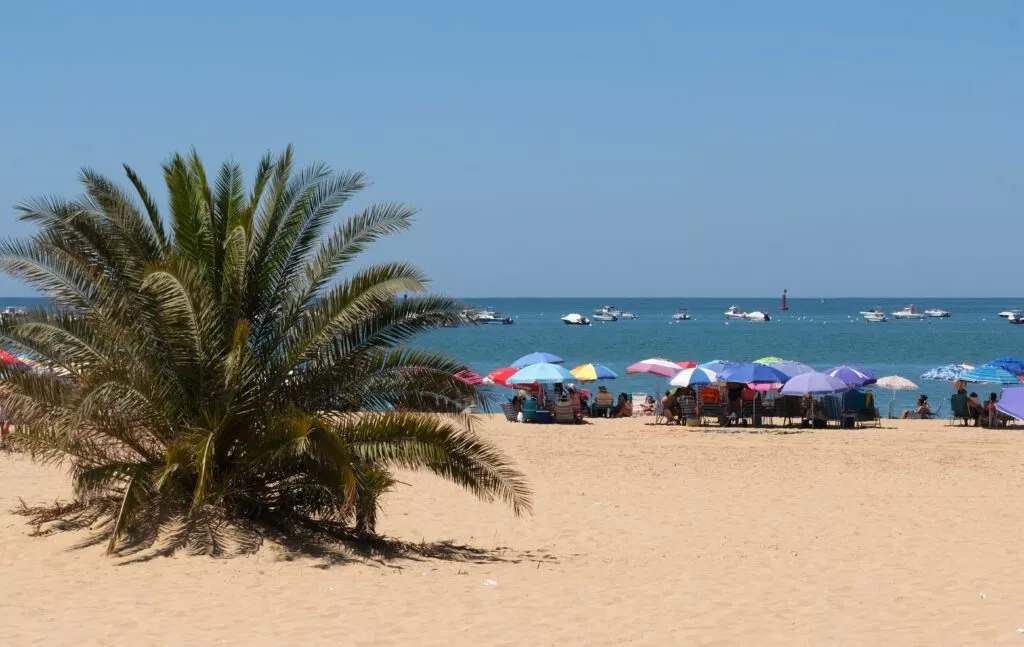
9, 360
469, 377
501, 375
687, 364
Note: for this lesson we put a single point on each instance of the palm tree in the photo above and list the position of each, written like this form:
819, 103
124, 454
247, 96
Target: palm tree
222, 371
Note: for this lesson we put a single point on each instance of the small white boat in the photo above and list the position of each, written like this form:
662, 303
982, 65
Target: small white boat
628, 316
1016, 318
757, 316
608, 310
874, 315
936, 313
575, 319
681, 315
909, 313
1006, 314
13, 311
604, 316
490, 317
734, 313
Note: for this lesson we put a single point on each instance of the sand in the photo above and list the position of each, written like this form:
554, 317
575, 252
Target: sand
906, 535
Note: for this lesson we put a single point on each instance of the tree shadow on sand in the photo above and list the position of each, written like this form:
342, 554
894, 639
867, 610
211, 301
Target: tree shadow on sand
329, 544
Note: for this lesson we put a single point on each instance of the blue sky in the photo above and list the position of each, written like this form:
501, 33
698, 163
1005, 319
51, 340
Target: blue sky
571, 148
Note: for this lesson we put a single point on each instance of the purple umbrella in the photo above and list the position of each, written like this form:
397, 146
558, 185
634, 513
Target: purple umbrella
852, 375
813, 384
792, 369
1012, 402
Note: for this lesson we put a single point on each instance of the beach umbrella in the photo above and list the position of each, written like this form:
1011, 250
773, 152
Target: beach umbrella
686, 364
989, 375
543, 373
754, 373
692, 377
469, 377
895, 383
592, 372
501, 375
948, 373
716, 365
1012, 402
792, 369
1011, 364
9, 360
655, 366
769, 360
852, 375
537, 358
813, 383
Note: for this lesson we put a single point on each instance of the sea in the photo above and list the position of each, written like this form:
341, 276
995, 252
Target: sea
819, 332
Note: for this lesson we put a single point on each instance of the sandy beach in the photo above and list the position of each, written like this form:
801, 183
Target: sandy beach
642, 535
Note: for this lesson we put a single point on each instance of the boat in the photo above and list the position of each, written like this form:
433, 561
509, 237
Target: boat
936, 313
604, 316
1006, 314
909, 313
681, 315
784, 306
734, 313
629, 316
874, 315
757, 316
1016, 318
607, 310
575, 319
490, 317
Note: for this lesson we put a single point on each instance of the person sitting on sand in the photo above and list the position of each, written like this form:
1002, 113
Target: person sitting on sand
921, 409
670, 407
974, 407
648, 406
623, 408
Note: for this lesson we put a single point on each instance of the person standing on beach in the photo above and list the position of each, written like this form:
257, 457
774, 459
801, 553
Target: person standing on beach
5, 424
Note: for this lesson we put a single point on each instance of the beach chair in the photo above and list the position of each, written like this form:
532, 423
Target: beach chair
712, 410
688, 405
638, 400
959, 409
659, 412
563, 413
530, 410
509, 410
833, 410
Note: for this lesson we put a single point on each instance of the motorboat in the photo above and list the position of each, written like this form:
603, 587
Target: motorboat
629, 316
909, 313
734, 313
604, 316
936, 313
681, 315
757, 316
575, 319
1016, 318
874, 315
607, 310
13, 311
1006, 314
490, 317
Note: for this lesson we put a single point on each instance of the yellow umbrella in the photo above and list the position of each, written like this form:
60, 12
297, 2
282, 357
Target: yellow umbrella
768, 361
592, 372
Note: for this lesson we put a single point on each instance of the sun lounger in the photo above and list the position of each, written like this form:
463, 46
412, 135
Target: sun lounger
563, 413
509, 410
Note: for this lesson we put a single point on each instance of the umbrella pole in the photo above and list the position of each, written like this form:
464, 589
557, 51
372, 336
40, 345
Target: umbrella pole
892, 402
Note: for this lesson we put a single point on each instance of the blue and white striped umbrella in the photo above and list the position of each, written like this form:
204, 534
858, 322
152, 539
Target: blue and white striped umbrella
989, 374
948, 373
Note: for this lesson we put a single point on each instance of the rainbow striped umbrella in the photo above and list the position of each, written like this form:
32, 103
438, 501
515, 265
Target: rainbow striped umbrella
593, 372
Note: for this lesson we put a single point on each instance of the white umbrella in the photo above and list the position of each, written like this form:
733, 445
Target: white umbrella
693, 377
895, 383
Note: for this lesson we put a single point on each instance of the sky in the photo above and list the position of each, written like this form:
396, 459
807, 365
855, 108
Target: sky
574, 148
